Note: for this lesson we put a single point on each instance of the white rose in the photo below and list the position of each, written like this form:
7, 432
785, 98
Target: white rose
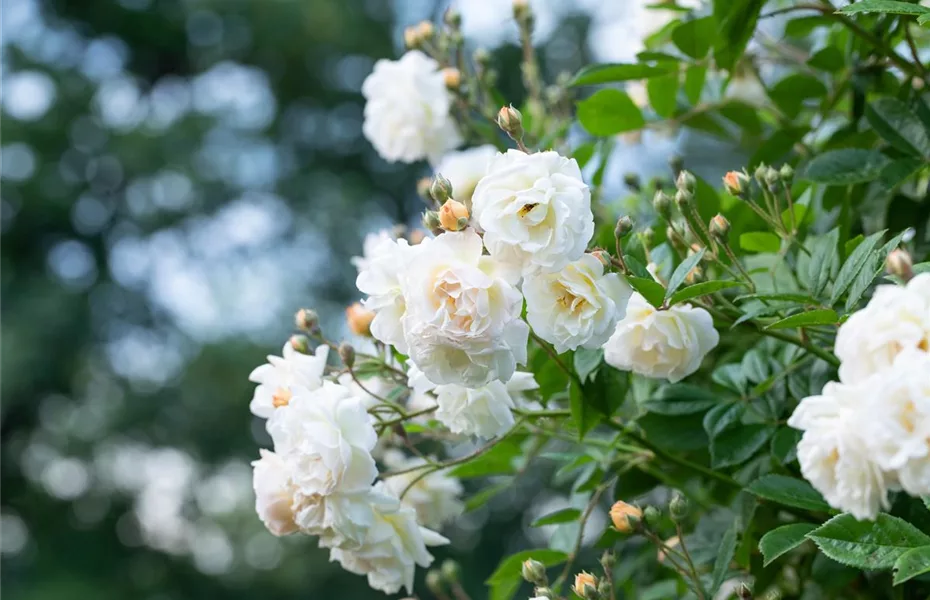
462, 322
484, 411
895, 319
284, 376
465, 168
274, 493
667, 344
535, 210
577, 306
897, 427
393, 547
834, 454
436, 498
407, 106
381, 279
371, 246
325, 437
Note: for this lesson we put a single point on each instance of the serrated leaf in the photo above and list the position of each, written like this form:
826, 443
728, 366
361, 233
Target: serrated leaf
867, 544
911, 564
566, 515
823, 257
884, 6
788, 491
587, 361
649, 288
725, 553
609, 112
850, 269
783, 539
899, 126
873, 266
785, 444
760, 241
846, 166
701, 289
681, 273
613, 72
736, 446
722, 417
822, 316
680, 399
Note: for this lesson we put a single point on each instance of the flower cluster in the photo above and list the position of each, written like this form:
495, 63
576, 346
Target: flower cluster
870, 432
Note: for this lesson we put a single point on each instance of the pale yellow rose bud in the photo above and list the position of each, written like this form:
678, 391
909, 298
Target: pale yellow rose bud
583, 581
359, 319
510, 121
534, 572
452, 78
453, 216
426, 30
625, 517
719, 227
411, 37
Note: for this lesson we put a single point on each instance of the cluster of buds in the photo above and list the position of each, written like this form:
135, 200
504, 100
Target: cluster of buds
686, 184
417, 35
770, 177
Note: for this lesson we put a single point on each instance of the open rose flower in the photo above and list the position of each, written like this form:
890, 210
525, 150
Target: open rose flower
285, 375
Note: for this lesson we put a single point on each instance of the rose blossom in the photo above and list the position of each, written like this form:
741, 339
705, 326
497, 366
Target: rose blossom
285, 376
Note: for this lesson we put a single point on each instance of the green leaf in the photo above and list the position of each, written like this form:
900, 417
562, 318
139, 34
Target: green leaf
783, 297
783, 539
506, 580
874, 265
850, 269
694, 37
609, 112
481, 498
587, 361
499, 460
662, 93
867, 544
846, 166
735, 24
828, 59
701, 289
897, 171
680, 399
785, 444
722, 417
681, 273
911, 564
823, 257
791, 92
566, 515
695, 76
736, 446
759, 241
923, 19
788, 491
725, 553
676, 433
612, 72
650, 289
884, 6
823, 316
899, 126
584, 416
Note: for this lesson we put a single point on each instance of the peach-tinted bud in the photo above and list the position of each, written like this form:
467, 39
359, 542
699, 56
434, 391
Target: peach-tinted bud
510, 121
625, 517
584, 580
452, 78
300, 343
719, 227
359, 319
425, 30
603, 256
411, 37
736, 183
453, 216
306, 319
899, 263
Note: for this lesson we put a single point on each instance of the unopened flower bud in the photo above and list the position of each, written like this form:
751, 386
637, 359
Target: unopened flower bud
481, 57
760, 172
678, 507
300, 343
686, 182
625, 517
451, 571
772, 177
359, 319
431, 222
603, 589
543, 592
306, 319
521, 9
632, 181
651, 515
510, 121
787, 173
603, 256
347, 354
899, 263
583, 581
624, 227
453, 216
425, 30
736, 183
662, 203
411, 37
434, 582
608, 560
452, 78
440, 189
744, 592
683, 198
534, 572
452, 18
695, 275
719, 228
677, 163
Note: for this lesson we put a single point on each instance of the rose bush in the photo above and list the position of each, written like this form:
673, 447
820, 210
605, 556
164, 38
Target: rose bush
725, 371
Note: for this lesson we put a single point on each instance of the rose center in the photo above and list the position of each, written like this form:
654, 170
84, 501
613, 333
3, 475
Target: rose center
281, 397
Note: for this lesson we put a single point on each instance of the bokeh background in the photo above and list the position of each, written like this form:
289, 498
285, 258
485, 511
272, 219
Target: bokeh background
178, 177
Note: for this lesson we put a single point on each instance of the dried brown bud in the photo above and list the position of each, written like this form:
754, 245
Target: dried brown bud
347, 354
